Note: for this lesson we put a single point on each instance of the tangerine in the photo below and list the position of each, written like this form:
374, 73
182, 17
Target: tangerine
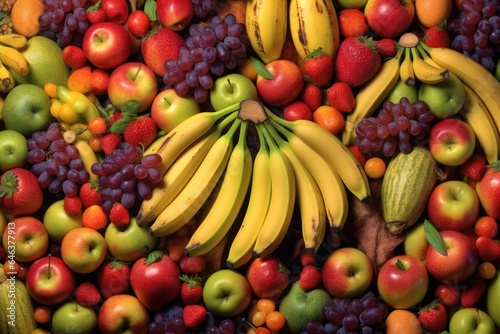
402, 321
432, 12
25, 14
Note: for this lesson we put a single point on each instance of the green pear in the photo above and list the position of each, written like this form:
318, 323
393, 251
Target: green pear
400, 90
497, 70
493, 299
299, 307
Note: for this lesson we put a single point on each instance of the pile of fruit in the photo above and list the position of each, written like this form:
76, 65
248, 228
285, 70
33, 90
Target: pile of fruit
249, 167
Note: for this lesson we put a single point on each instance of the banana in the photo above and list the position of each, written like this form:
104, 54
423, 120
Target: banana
406, 69
2, 103
7, 81
14, 60
329, 182
196, 192
242, 245
281, 203
227, 204
183, 135
424, 72
314, 25
476, 115
13, 40
331, 149
371, 95
266, 25
309, 197
431, 62
176, 177
88, 157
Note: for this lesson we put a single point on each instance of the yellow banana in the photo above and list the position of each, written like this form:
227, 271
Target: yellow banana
7, 81
14, 60
198, 189
406, 69
13, 40
371, 95
314, 25
282, 201
155, 145
183, 135
266, 25
476, 115
424, 72
87, 155
2, 102
331, 149
310, 200
242, 245
226, 205
431, 62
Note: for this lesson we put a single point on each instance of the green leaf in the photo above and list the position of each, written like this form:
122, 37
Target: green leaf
400, 264
129, 113
153, 257
495, 165
434, 238
150, 9
260, 68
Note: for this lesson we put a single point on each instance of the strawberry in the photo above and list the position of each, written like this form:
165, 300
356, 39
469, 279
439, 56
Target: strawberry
140, 131
113, 277
86, 294
95, 14
437, 36
74, 57
341, 97
310, 278
194, 316
193, 264
90, 194
474, 168
386, 47
473, 292
119, 215
357, 154
191, 289
319, 67
312, 96
109, 142
357, 60
117, 115
307, 258
488, 248
72, 205
433, 316
20, 193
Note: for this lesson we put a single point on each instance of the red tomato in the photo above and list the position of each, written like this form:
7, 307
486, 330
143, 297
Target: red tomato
115, 10
138, 23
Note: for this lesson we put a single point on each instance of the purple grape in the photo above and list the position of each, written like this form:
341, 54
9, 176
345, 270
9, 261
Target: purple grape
143, 189
38, 168
314, 327
128, 199
128, 185
50, 5
227, 326
54, 186
58, 15
44, 179
80, 13
156, 328
73, 175
72, 152
69, 188
35, 156
71, 22
51, 166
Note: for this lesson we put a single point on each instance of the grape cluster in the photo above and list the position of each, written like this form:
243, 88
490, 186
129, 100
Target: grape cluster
364, 315
394, 127
476, 31
126, 176
64, 21
203, 8
210, 50
56, 163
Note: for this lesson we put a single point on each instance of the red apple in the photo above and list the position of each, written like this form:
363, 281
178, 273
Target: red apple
268, 276
169, 109
453, 205
285, 85
49, 280
460, 261
132, 81
159, 46
28, 236
107, 44
155, 280
297, 110
347, 273
415, 242
175, 14
488, 191
389, 18
123, 313
83, 249
402, 281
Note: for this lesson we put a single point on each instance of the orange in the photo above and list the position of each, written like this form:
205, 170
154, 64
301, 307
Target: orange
275, 320
42, 314
94, 217
246, 69
25, 14
375, 168
329, 118
99, 81
432, 12
80, 80
402, 322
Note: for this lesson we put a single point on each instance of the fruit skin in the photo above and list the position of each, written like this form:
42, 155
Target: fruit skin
31, 238
116, 11
415, 243
113, 278
194, 316
445, 98
341, 97
433, 316
268, 276
437, 36
469, 320
13, 150
72, 316
160, 45
402, 281
83, 249
20, 193
230, 89
352, 22
169, 109
389, 18
487, 189
140, 131
347, 273
58, 223
86, 294
442, 11
175, 14
492, 298
473, 292
310, 278
122, 312
319, 67
74, 57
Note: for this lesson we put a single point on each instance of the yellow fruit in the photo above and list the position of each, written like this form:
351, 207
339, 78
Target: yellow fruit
46, 63
432, 12
25, 14
402, 321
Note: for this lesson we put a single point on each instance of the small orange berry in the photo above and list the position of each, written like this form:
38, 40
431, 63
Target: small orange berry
98, 126
487, 270
486, 226
275, 320
375, 167
42, 314
266, 305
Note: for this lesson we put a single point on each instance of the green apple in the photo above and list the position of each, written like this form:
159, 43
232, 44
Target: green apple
227, 293
497, 70
444, 99
415, 243
83, 249
27, 109
493, 299
129, 243
169, 109
400, 90
58, 222
231, 89
471, 320
73, 318
352, 3
299, 306
13, 150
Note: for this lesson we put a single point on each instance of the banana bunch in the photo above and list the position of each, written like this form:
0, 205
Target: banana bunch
11, 59
266, 25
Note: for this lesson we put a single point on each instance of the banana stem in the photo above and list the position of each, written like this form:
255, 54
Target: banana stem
252, 110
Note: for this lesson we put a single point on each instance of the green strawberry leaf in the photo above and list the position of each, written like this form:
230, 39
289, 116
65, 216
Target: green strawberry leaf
434, 238
129, 113
150, 9
260, 68
495, 165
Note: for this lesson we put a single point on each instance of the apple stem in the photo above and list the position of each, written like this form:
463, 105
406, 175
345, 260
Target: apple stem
249, 323
252, 110
137, 72
230, 86
48, 266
